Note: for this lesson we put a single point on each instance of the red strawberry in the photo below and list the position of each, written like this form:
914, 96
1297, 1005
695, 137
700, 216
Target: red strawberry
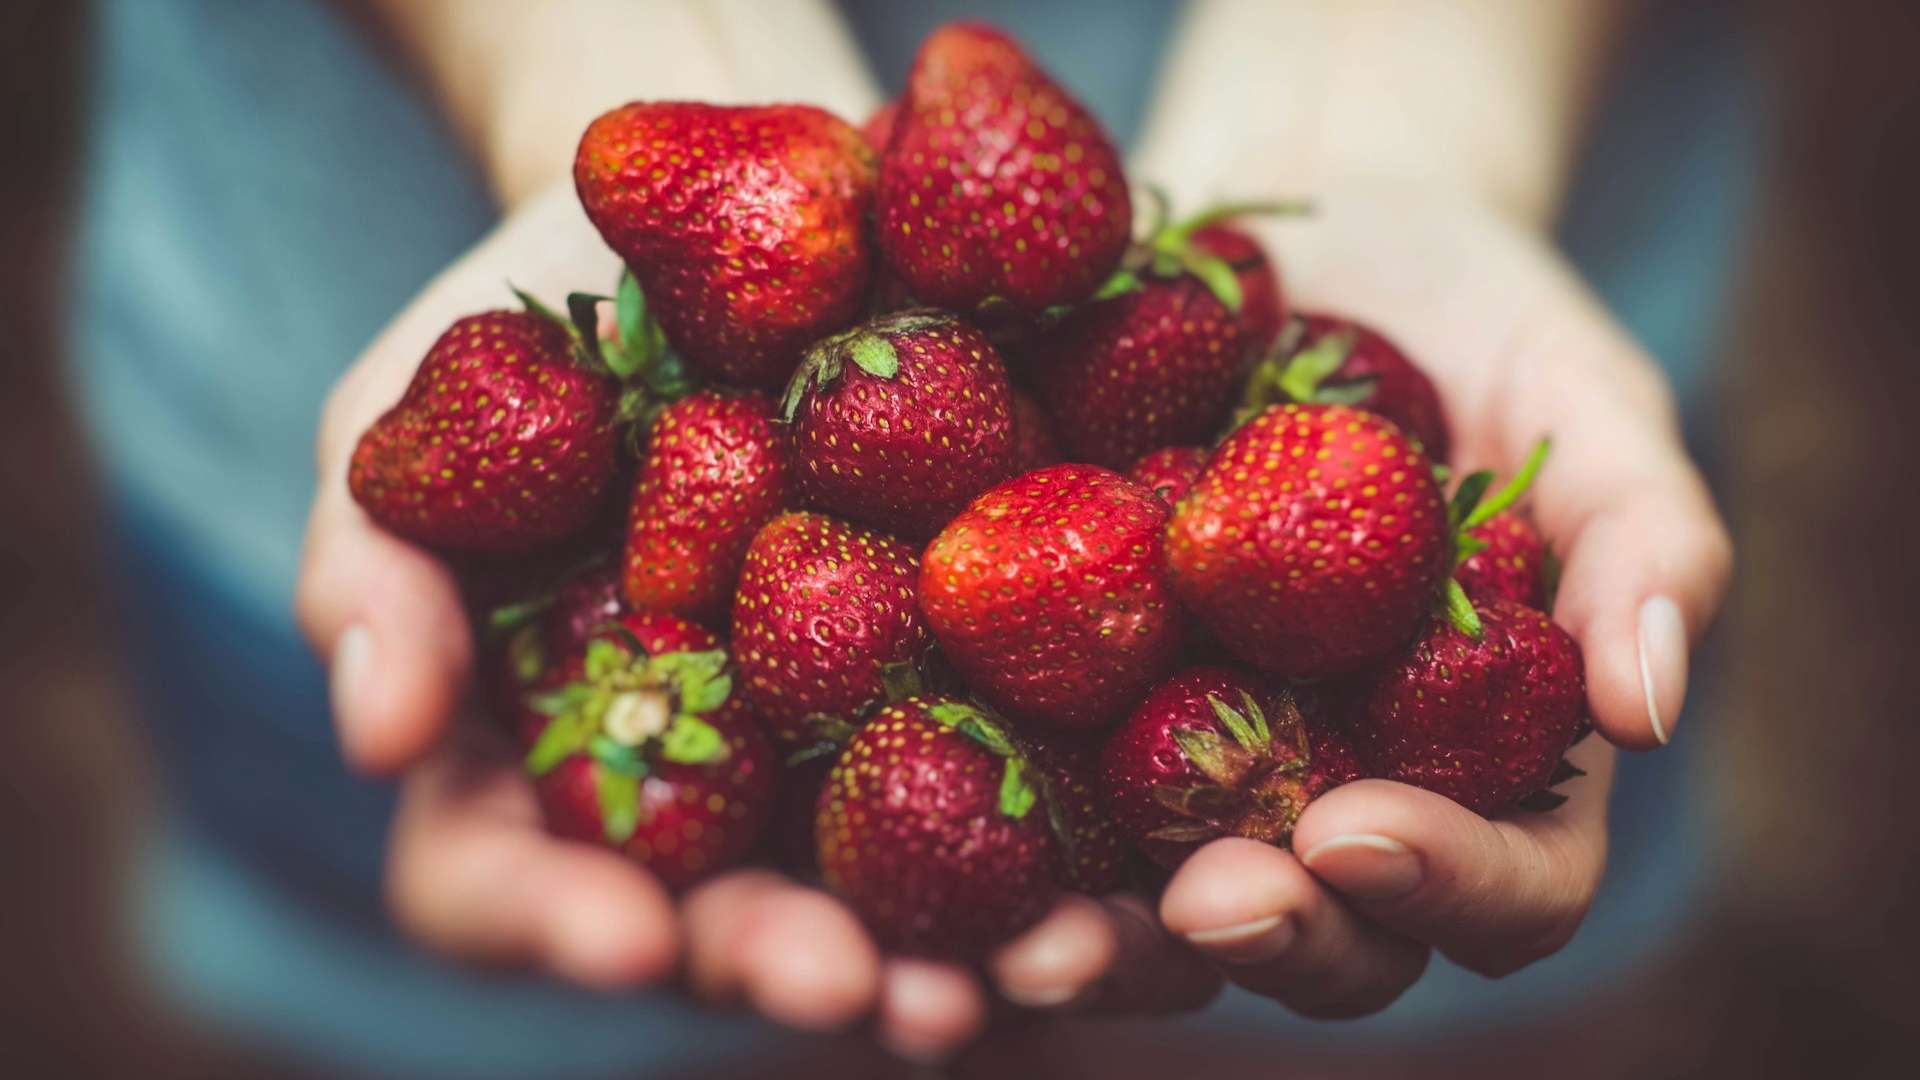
506, 439
1512, 565
715, 469
1169, 471
824, 615
879, 125
654, 756
1313, 542
1049, 595
1093, 854
1338, 361
744, 225
1211, 752
996, 183
897, 423
930, 828
1483, 721
1034, 446
1149, 368
1263, 307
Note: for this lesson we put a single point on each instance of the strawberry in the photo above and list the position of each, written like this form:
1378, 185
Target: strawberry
715, 469
824, 618
899, 422
1514, 563
507, 438
551, 655
1048, 594
1034, 446
1169, 471
997, 185
1313, 542
744, 225
1210, 752
1333, 360
1263, 306
1481, 719
653, 755
1092, 853
878, 127
929, 827
1156, 359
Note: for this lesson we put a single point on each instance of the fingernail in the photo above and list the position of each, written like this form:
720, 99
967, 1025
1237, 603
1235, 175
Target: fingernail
352, 669
1366, 866
1663, 663
1252, 942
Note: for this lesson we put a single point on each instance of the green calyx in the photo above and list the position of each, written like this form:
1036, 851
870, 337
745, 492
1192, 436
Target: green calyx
868, 347
1168, 250
638, 356
630, 712
1252, 787
1019, 790
1470, 508
1291, 372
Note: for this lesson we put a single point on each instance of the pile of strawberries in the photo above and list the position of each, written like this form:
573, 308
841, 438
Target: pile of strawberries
882, 605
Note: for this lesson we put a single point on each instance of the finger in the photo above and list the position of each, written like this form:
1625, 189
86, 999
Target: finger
1278, 932
929, 1010
1492, 895
796, 955
1059, 958
1645, 556
386, 618
472, 873
1155, 971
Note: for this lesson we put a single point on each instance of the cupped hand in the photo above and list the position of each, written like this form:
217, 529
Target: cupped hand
473, 873
1382, 873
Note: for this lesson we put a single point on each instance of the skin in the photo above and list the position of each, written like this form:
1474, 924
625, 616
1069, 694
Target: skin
1454, 266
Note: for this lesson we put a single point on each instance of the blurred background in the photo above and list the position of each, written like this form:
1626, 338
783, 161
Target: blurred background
1797, 953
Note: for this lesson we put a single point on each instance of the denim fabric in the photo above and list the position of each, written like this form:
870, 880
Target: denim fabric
264, 193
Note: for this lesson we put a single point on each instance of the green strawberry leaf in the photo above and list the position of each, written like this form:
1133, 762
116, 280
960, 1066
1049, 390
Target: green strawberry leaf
1177, 235
1120, 283
1216, 758
816, 750
583, 324
1313, 365
1467, 497
875, 355
510, 617
1468, 547
638, 335
1252, 709
1510, 492
527, 655
534, 305
831, 730
616, 755
567, 699
567, 735
1218, 276
1460, 611
604, 658
690, 740
619, 794
973, 723
902, 680
1017, 793
1236, 724
1355, 392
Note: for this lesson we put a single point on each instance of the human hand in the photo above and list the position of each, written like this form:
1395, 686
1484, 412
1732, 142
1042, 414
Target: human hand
1519, 350
473, 873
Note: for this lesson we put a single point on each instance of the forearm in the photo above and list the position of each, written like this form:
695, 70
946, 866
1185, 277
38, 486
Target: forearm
520, 81
1291, 97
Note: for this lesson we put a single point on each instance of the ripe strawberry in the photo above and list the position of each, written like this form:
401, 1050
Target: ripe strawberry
878, 127
1211, 752
653, 755
715, 469
1049, 595
1034, 446
506, 439
997, 183
1092, 853
1157, 358
824, 615
929, 827
1263, 306
1169, 471
1339, 361
1482, 720
1513, 564
897, 423
744, 225
1313, 542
